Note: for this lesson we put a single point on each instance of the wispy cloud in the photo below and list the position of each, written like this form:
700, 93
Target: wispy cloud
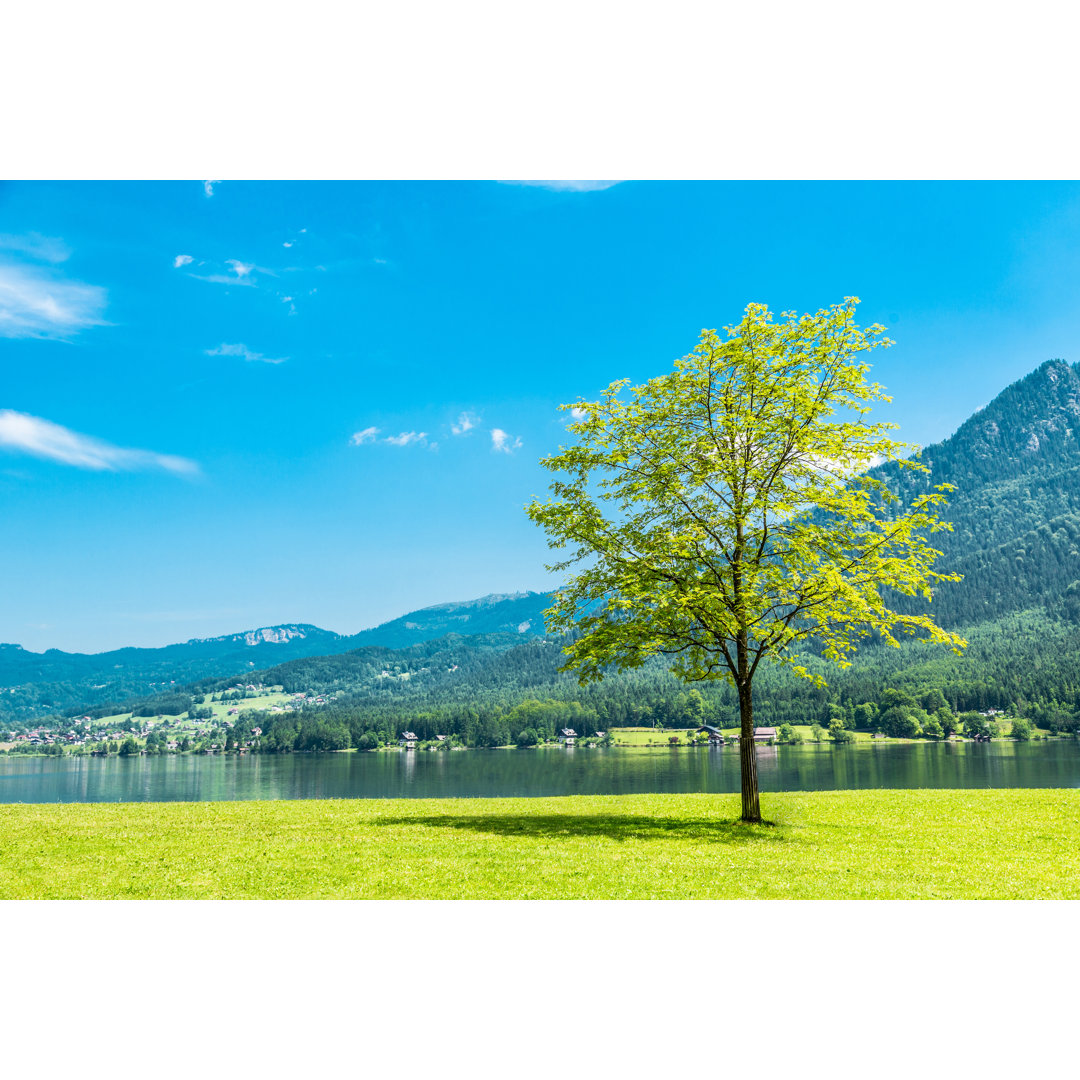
208, 187
36, 302
565, 185
40, 438
245, 353
504, 443
239, 273
406, 438
369, 434
577, 413
41, 248
465, 423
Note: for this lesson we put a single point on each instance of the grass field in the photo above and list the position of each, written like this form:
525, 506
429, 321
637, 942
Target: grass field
266, 700
826, 845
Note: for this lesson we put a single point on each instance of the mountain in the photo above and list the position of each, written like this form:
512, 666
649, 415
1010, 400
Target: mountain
37, 684
1016, 509
499, 613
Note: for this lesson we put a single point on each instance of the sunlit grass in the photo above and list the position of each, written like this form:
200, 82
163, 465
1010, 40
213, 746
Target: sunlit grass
835, 844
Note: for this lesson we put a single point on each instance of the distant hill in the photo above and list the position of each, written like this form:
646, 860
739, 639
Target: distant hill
37, 684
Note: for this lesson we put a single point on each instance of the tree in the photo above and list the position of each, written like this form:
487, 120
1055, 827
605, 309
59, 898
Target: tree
722, 515
932, 729
947, 721
839, 733
898, 723
978, 726
865, 714
932, 700
1021, 729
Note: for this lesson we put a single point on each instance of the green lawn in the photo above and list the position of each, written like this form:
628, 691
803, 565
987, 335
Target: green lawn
835, 845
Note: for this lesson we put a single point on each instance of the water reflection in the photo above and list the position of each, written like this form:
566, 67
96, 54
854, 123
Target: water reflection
565, 771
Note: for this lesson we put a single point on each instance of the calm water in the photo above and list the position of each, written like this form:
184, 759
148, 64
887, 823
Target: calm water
576, 771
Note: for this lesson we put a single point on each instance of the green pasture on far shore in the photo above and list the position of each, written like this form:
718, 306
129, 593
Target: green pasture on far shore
647, 736
1003, 844
267, 699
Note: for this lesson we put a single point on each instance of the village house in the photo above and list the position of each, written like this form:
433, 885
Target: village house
716, 736
408, 740
765, 734
567, 736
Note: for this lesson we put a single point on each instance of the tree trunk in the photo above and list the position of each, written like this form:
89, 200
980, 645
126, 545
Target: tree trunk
751, 809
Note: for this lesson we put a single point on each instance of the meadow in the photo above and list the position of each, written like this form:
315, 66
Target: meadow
651, 736
920, 844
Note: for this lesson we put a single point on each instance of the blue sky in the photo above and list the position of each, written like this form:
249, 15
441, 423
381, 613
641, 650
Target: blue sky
234, 404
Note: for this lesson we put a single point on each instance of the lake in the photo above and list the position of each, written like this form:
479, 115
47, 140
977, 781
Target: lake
549, 771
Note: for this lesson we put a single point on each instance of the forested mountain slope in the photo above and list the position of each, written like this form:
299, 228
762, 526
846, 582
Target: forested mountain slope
1016, 509
35, 684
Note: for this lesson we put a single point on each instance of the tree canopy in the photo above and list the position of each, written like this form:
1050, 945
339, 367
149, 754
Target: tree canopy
722, 513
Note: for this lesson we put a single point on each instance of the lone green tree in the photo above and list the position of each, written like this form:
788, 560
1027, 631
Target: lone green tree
722, 514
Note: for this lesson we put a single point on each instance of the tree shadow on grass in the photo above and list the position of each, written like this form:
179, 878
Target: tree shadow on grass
620, 827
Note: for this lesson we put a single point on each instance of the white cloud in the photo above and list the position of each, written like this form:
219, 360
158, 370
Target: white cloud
44, 439
36, 302
223, 279
577, 413
406, 437
182, 260
239, 274
208, 187
503, 443
246, 353
365, 436
287, 243
565, 185
41, 248
465, 423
